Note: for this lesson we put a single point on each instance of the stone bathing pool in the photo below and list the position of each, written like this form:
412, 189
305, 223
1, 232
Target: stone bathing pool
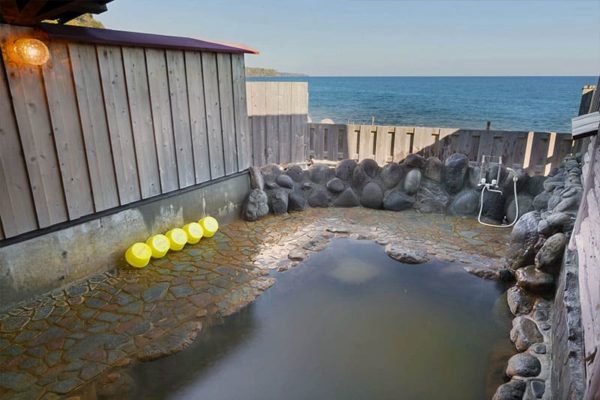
348, 323
96, 339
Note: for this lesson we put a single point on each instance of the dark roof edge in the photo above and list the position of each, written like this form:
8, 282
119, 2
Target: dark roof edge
125, 38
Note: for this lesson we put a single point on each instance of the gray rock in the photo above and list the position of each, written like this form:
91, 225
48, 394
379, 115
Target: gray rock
347, 198
492, 273
307, 186
454, 172
405, 255
524, 365
270, 172
414, 161
466, 202
493, 206
320, 173
525, 205
285, 181
553, 201
538, 348
551, 184
296, 202
372, 196
534, 280
296, 173
336, 185
524, 333
567, 204
538, 387
172, 342
345, 169
535, 185
492, 174
512, 390
370, 167
523, 238
256, 178
255, 206
319, 197
540, 202
555, 222
433, 169
431, 197
508, 185
412, 181
391, 175
278, 201
549, 257
397, 200
359, 177
519, 301
473, 176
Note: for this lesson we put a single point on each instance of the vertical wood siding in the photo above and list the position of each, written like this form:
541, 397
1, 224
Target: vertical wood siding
100, 126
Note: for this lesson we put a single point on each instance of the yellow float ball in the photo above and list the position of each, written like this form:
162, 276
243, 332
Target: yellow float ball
209, 225
177, 237
159, 244
194, 232
138, 255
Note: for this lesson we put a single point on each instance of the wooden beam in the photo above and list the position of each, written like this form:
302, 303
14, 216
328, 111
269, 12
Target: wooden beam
31, 9
9, 10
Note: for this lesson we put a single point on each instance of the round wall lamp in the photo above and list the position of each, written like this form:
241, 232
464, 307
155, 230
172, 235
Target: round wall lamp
28, 51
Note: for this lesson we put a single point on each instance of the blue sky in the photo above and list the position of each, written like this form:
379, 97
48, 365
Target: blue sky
386, 37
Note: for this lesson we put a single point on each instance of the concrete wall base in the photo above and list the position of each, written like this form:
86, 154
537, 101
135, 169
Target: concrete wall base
43, 263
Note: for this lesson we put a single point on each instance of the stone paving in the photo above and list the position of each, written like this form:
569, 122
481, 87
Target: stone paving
57, 344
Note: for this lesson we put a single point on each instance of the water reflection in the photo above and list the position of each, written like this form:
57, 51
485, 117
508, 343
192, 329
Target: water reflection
350, 323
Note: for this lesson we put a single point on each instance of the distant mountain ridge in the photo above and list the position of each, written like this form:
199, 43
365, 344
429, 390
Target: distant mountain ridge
254, 71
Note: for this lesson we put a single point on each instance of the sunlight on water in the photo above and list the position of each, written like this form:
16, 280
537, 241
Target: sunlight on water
349, 323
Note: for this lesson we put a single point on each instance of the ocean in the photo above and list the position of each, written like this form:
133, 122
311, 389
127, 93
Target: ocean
509, 103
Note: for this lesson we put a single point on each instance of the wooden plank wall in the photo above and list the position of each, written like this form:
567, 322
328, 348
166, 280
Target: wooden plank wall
537, 152
100, 127
586, 241
278, 115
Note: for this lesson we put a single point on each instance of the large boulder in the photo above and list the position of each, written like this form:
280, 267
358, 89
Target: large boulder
270, 172
493, 206
508, 185
345, 169
473, 177
296, 173
278, 201
319, 197
347, 198
512, 390
519, 301
534, 280
540, 201
523, 238
549, 257
336, 185
320, 173
370, 167
372, 196
255, 206
397, 200
414, 161
431, 197
433, 169
296, 202
256, 179
535, 185
525, 202
359, 178
405, 255
412, 181
524, 333
465, 203
555, 222
523, 364
285, 181
454, 172
391, 175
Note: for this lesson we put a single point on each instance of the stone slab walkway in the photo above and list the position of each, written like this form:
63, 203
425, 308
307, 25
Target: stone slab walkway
56, 344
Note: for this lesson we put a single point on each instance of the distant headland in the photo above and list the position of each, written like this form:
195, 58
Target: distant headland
253, 71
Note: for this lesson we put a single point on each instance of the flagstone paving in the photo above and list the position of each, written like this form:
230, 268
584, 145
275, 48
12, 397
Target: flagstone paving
58, 343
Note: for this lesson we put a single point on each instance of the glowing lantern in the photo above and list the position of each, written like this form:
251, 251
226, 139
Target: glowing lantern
28, 51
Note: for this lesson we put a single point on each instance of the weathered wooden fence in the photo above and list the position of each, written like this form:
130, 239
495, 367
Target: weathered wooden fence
102, 126
278, 114
537, 152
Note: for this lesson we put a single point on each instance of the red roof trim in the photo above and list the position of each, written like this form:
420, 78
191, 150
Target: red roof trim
124, 38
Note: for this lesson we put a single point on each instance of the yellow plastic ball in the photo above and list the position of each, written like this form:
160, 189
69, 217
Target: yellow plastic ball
209, 225
194, 232
138, 255
177, 237
159, 244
